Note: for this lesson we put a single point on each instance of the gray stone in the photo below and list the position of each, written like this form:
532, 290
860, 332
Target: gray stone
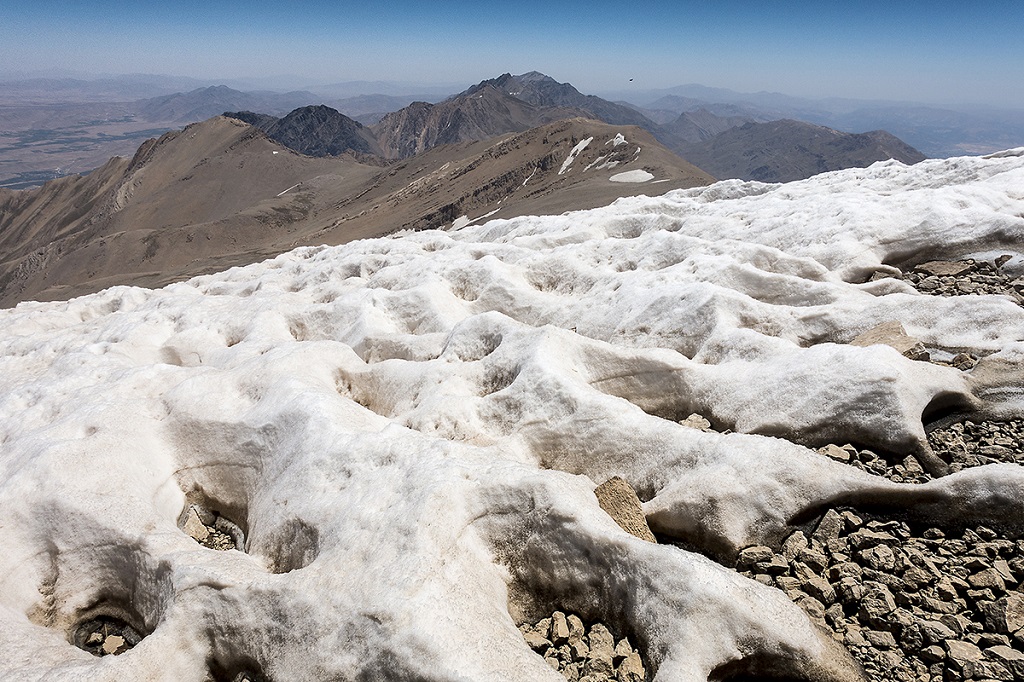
835, 452
602, 644
620, 502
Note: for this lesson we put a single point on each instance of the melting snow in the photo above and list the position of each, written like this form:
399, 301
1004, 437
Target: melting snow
617, 140
632, 176
573, 153
409, 431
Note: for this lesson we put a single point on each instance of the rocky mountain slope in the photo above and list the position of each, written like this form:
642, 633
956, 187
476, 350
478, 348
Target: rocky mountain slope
221, 193
477, 114
781, 151
315, 131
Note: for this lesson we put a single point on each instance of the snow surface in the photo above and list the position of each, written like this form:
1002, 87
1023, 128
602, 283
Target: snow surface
573, 153
638, 175
409, 431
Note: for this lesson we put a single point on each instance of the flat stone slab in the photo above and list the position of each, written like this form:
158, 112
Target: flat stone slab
620, 501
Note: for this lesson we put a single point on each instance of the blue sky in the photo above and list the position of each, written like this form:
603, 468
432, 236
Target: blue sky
969, 52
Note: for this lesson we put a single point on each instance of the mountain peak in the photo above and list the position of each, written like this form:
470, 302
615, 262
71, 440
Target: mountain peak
534, 76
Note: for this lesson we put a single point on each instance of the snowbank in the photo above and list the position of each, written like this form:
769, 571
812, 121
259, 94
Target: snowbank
409, 431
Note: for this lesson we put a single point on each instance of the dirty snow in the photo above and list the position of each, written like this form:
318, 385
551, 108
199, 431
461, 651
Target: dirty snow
409, 431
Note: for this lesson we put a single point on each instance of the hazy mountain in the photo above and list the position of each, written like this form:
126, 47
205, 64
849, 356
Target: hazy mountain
478, 114
202, 103
543, 91
695, 126
221, 193
937, 131
780, 151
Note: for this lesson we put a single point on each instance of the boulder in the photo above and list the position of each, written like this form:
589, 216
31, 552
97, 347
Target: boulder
620, 502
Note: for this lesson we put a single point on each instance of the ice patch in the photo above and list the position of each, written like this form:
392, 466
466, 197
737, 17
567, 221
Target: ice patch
617, 140
638, 175
573, 153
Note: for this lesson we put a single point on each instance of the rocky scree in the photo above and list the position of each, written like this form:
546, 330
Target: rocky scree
912, 605
584, 653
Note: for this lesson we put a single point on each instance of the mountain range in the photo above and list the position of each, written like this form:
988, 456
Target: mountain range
222, 193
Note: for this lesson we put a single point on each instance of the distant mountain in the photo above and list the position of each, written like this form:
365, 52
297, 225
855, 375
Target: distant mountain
202, 103
221, 193
937, 131
322, 131
544, 91
699, 125
478, 114
781, 151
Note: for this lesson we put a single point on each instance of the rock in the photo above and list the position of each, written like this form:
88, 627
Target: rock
536, 641
695, 421
620, 502
794, 544
933, 654
194, 526
1015, 612
944, 268
1011, 659
830, 526
622, 649
632, 669
894, 335
754, 555
94, 639
835, 452
114, 644
880, 639
935, 632
576, 629
821, 590
964, 657
559, 628
987, 579
602, 644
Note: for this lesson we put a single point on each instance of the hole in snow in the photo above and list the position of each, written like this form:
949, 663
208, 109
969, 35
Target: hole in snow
105, 635
210, 529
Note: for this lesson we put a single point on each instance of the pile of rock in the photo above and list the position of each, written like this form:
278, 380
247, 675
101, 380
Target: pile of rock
912, 607
584, 653
958, 278
969, 444
211, 529
106, 636
961, 445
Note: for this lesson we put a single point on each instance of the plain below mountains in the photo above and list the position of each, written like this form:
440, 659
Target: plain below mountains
222, 193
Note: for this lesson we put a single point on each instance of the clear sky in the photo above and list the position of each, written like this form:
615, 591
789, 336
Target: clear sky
938, 51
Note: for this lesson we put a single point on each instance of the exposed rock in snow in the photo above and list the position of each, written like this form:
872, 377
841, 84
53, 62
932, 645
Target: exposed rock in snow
408, 432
